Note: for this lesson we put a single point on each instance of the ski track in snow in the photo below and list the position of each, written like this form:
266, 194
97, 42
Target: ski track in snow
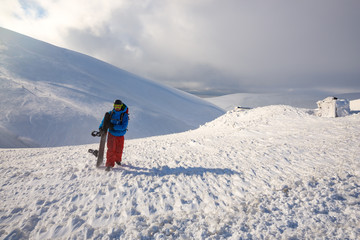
276, 172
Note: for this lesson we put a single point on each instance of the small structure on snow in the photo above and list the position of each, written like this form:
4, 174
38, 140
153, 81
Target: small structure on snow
333, 107
243, 108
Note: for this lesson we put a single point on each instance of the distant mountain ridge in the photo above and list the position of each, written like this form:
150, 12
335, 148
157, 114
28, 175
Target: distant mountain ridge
252, 100
52, 96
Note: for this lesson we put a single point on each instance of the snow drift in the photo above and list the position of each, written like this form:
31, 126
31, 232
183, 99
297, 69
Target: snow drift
355, 105
51, 96
274, 172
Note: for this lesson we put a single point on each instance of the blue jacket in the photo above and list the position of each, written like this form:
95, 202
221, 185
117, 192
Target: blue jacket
120, 120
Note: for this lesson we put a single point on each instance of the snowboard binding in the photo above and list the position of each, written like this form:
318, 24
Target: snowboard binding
96, 134
95, 152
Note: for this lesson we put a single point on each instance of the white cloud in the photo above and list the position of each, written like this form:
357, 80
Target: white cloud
243, 44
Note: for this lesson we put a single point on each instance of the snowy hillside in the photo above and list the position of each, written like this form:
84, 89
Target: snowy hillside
54, 97
275, 172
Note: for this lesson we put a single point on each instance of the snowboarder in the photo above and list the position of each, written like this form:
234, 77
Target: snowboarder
119, 118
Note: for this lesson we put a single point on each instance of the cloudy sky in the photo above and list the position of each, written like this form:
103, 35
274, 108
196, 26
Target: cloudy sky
209, 46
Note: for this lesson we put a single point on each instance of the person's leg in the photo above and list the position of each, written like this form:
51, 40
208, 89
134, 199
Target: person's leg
111, 150
119, 149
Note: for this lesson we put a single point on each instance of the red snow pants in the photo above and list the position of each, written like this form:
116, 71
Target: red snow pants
114, 152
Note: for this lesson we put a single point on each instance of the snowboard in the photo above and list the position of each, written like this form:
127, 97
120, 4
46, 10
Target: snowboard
102, 134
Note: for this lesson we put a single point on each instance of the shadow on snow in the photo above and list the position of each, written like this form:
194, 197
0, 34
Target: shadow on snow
165, 170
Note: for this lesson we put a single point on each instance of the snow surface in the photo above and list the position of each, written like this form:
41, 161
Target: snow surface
355, 105
274, 172
51, 96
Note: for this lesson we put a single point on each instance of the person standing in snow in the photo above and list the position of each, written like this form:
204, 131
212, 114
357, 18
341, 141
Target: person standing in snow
119, 118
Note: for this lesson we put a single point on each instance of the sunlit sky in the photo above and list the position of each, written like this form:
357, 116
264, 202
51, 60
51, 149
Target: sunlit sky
207, 46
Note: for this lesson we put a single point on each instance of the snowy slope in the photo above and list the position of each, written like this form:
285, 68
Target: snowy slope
355, 105
276, 172
53, 97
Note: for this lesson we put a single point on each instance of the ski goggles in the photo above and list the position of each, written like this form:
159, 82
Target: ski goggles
118, 106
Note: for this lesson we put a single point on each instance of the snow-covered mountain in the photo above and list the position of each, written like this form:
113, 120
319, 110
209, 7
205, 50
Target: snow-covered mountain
51, 96
275, 172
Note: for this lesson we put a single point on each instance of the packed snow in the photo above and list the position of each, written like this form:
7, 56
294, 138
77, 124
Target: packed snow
275, 172
355, 105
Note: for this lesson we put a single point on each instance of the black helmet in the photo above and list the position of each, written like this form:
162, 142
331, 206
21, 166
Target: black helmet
118, 102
